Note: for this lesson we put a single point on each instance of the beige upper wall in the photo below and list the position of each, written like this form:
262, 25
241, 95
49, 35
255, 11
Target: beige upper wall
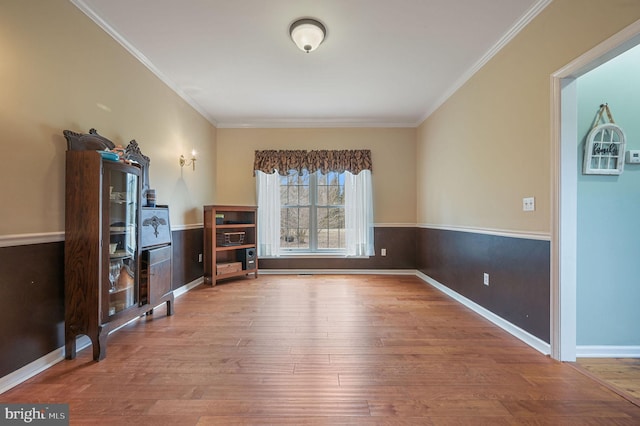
56, 66
489, 145
392, 151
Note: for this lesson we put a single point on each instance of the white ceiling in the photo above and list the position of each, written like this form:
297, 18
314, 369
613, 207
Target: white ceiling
383, 63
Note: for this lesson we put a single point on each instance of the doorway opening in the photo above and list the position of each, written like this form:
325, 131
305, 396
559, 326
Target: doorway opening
564, 138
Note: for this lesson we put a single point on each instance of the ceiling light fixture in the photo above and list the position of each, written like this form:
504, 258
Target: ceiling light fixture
307, 34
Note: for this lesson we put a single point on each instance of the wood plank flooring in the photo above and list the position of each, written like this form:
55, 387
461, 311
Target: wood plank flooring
316, 350
621, 374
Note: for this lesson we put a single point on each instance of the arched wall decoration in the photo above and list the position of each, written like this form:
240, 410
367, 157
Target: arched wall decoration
604, 148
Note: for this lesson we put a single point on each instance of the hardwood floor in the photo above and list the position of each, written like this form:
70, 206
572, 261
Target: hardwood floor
310, 350
622, 375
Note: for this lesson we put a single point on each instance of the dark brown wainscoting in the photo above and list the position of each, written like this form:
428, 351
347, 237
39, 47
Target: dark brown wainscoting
518, 268
401, 254
32, 295
31, 303
32, 280
187, 245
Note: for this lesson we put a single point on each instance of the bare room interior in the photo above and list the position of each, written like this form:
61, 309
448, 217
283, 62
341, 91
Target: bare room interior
338, 212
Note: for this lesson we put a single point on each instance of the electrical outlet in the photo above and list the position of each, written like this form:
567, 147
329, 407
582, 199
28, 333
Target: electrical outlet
485, 279
528, 204
383, 252
199, 257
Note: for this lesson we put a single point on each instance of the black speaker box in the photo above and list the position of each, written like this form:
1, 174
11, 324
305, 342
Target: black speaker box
248, 258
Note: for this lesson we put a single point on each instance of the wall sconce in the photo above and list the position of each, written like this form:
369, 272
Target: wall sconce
192, 162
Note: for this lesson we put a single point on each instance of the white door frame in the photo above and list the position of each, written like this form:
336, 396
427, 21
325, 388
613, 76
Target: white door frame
564, 181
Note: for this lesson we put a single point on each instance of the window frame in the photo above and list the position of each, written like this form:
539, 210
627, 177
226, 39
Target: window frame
313, 249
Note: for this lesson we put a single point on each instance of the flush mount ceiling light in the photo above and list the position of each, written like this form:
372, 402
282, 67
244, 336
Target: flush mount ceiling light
307, 34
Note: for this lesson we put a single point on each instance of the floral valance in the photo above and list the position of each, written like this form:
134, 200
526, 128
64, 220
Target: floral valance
351, 160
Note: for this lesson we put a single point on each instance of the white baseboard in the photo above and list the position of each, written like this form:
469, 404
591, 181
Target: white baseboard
82, 342
28, 371
337, 272
514, 330
187, 287
607, 351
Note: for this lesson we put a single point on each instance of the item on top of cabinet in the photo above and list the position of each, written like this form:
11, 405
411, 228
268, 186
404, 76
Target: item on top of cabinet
109, 155
119, 151
151, 197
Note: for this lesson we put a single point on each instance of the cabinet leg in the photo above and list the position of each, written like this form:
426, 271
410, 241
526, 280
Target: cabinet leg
100, 346
70, 347
170, 305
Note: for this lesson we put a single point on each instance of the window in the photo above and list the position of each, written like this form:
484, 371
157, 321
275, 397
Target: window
322, 204
312, 212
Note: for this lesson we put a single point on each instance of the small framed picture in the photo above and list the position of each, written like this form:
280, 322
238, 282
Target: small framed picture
604, 150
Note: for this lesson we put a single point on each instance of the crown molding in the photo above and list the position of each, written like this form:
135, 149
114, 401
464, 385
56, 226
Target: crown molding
80, 4
311, 123
524, 20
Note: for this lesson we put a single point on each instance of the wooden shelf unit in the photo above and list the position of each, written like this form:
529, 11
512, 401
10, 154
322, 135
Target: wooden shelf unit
233, 221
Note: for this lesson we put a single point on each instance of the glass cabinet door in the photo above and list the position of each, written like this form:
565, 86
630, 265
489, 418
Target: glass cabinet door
123, 240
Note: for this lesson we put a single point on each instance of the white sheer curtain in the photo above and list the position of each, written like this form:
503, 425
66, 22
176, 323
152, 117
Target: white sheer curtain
268, 190
358, 214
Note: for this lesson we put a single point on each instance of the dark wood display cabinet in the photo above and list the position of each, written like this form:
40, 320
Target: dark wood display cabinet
156, 256
111, 276
230, 237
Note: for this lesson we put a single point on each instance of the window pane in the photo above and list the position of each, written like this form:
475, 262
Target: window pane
323, 229
328, 211
335, 193
305, 178
294, 227
322, 218
303, 195
291, 197
322, 179
332, 178
322, 195
335, 217
330, 228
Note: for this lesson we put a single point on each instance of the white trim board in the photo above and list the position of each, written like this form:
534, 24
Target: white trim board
607, 351
542, 236
28, 239
336, 271
23, 374
564, 188
529, 339
54, 237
